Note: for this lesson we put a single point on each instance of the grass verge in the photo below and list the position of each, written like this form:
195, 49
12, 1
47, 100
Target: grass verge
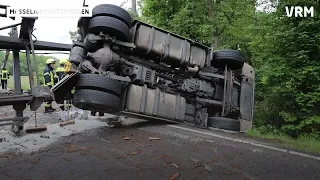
304, 143
24, 83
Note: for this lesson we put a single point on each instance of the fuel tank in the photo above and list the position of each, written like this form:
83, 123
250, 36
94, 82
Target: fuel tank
164, 46
153, 102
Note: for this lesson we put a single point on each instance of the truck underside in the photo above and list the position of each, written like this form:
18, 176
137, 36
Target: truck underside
133, 68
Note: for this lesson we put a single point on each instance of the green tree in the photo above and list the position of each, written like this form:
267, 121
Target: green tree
41, 63
205, 21
294, 76
73, 35
284, 51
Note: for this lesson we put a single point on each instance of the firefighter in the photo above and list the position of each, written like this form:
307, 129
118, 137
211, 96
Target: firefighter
49, 80
61, 73
4, 78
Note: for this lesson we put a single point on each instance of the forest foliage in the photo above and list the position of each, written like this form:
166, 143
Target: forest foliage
285, 51
41, 63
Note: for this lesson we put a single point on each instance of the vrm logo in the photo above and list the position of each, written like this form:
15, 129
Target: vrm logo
299, 11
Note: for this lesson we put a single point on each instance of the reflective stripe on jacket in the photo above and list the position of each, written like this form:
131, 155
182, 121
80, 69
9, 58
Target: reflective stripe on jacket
4, 75
48, 76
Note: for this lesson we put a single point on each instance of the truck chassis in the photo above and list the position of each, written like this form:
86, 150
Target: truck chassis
132, 68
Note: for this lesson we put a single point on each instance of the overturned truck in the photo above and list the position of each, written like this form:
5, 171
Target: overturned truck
131, 68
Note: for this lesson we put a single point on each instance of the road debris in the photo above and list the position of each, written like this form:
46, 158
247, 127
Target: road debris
207, 167
197, 164
235, 166
166, 159
3, 139
44, 136
63, 123
19, 144
104, 140
83, 153
154, 138
126, 138
36, 129
135, 153
175, 176
84, 148
35, 161
175, 165
71, 148
118, 157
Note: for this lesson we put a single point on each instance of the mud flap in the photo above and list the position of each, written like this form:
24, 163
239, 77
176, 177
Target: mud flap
64, 87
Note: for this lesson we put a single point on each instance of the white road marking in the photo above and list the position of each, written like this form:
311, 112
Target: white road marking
248, 142
102, 139
207, 167
257, 150
210, 141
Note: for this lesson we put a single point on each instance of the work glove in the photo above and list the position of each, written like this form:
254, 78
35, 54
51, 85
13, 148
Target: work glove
55, 80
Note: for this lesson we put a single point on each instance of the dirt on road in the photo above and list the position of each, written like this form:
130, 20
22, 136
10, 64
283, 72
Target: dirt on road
90, 149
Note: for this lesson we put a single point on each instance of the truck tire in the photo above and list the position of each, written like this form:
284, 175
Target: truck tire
94, 100
113, 11
100, 83
110, 26
233, 59
83, 25
93, 113
224, 123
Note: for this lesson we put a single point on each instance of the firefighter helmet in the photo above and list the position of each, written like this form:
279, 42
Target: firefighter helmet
63, 61
50, 61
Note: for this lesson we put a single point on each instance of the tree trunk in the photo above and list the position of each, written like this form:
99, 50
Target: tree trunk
215, 34
209, 8
5, 60
216, 41
134, 5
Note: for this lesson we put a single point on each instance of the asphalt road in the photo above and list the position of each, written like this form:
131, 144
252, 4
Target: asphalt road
179, 153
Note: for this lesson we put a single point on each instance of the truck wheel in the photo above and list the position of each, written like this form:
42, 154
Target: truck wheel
100, 83
93, 113
233, 59
224, 123
113, 11
109, 25
94, 100
83, 26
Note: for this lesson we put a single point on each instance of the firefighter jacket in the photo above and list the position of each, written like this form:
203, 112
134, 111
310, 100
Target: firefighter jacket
48, 75
60, 71
4, 75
